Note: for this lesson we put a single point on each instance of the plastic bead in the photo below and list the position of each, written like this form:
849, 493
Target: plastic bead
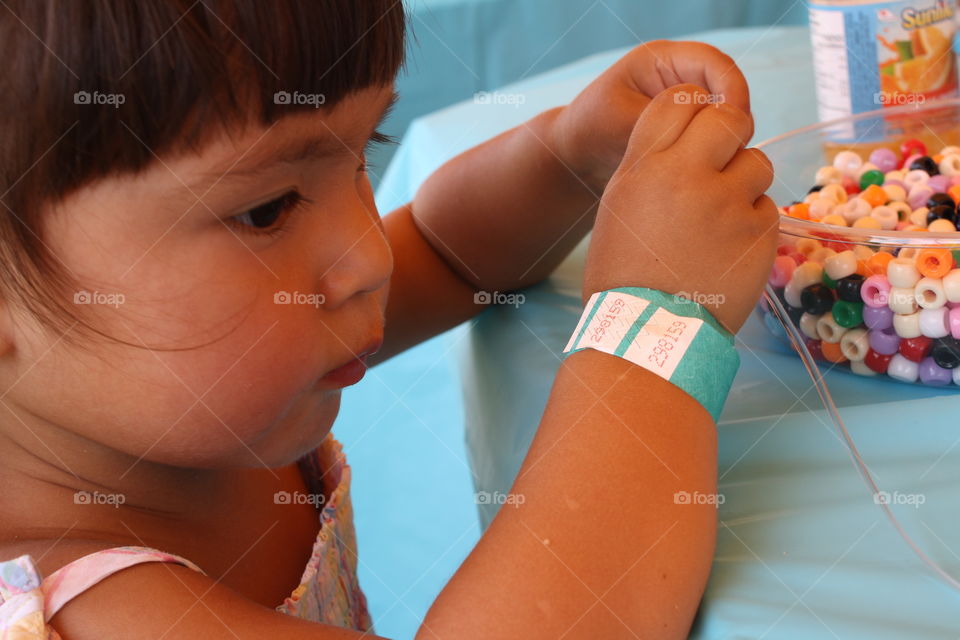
902, 300
791, 295
949, 150
911, 147
907, 325
841, 265
850, 186
933, 374
847, 162
908, 253
834, 192
919, 216
954, 192
813, 346
835, 219
848, 314
894, 192
870, 177
941, 212
861, 369
822, 254
903, 369
877, 264
886, 216
918, 194
849, 288
808, 325
939, 198
895, 176
929, 293
806, 246
950, 165
855, 209
854, 344
935, 323
828, 329
885, 342
878, 317
832, 352
925, 164
884, 159
877, 362
828, 175
946, 353
876, 196
939, 183
783, 268
953, 319
941, 226
916, 349
800, 210
821, 207
902, 273
935, 263
817, 299
828, 281
951, 285
867, 223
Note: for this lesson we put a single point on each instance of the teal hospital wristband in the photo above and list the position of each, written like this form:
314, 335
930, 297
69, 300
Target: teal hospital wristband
673, 337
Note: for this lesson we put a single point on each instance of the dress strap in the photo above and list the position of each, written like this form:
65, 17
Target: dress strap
19, 576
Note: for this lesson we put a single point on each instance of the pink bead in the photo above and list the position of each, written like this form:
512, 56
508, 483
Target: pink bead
955, 180
910, 159
939, 183
885, 159
954, 322
875, 291
919, 194
783, 268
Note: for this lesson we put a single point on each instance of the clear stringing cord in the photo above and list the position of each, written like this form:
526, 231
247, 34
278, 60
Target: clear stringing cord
796, 339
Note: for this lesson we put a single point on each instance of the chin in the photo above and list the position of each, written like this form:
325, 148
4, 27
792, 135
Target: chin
300, 432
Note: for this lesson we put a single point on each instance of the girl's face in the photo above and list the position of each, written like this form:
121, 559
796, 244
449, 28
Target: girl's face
263, 260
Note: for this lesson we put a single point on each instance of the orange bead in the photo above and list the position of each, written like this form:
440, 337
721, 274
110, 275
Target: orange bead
800, 210
937, 158
863, 269
874, 195
877, 264
954, 192
832, 352
935, 263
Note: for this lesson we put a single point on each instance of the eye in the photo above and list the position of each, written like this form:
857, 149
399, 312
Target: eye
263, 219
376, 139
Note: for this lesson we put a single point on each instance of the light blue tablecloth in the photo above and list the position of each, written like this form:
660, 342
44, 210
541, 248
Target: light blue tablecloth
802, 550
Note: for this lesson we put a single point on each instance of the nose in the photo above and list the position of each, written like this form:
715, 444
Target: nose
367, 261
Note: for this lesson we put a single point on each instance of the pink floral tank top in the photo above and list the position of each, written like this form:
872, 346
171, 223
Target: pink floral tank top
329, 591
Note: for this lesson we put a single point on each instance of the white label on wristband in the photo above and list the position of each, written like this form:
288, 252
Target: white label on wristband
662, 342
606, 329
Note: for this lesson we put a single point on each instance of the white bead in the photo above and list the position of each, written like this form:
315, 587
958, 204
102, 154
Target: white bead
806, 246
894, 175
907, 325
828, 175
915, 177
935, 323
895, 192
919, 217
867, 223
866, 166
951, 285
862, 252
956, 376
950, 165
859, 368
854, 344
791, 293
822, 254
902, 208
941, 225
930, 293
886, 216
808, 325
835, 219
821, 207
913, 227
848, 162
902, 272
854, 209
828, 329
835, 192
909, 253
841, 265
903, 369
810, 197
902, 300
950, 150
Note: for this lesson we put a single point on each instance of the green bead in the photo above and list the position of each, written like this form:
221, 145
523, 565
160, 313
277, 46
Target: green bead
848, 314
827, 280
956, 256
868, 178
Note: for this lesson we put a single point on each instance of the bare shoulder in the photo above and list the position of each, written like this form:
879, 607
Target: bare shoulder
158, 599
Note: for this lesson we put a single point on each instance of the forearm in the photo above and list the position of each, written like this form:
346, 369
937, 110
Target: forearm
600, 547
505, 214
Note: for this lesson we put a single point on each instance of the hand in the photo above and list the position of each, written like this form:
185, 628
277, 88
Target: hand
590, 134
686, 210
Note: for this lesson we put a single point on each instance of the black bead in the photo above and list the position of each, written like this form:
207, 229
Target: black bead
939, 199
849, 288
942, 211
794, 314
815, 187
817, 299
925, 163
946, 352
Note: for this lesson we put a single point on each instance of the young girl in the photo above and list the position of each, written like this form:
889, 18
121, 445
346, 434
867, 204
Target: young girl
194, 269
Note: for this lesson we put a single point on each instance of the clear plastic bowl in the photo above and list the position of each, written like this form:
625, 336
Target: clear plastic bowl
796, 156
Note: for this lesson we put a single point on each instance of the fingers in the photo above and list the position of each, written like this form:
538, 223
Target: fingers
717, 133
664, 120
750, 170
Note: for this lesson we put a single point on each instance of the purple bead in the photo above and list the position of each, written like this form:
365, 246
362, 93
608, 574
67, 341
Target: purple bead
885, 159
877, 318
933, 374
919, 195
886, 342
939, 183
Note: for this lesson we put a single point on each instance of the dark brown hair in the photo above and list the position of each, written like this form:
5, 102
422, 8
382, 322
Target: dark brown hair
184, 68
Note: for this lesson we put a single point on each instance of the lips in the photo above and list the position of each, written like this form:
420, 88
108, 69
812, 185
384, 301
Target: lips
354, 369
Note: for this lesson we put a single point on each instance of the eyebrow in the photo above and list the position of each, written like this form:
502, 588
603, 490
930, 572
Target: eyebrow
317, 147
